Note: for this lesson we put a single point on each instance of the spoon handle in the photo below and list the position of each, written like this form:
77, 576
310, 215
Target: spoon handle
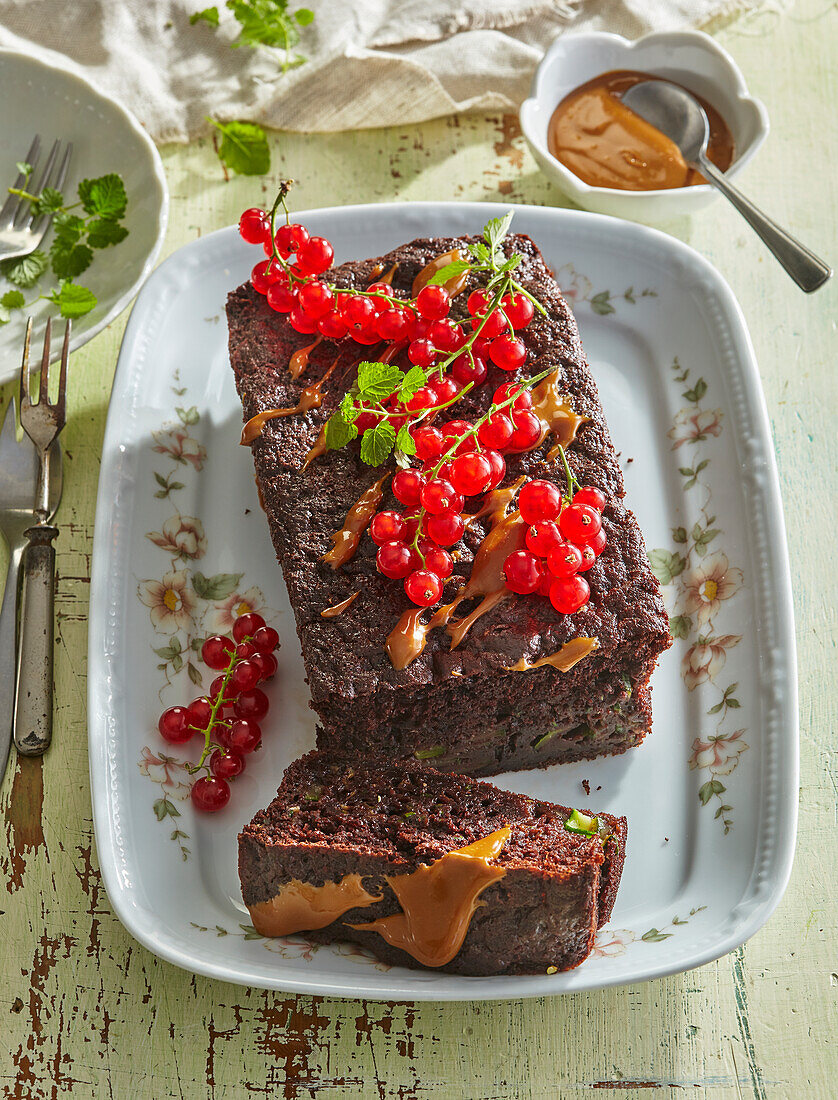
807, 270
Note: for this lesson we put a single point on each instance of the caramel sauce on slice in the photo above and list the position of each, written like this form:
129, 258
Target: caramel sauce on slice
454, 286
301, 907
388, 278
556, 415
299, 360
336, 609
310, 398
357, 520
439, 900
570, 654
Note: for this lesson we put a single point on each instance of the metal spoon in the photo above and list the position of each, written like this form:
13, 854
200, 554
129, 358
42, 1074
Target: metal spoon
675, 113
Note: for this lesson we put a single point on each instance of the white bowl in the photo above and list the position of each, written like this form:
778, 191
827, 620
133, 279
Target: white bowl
690, 58
57, 103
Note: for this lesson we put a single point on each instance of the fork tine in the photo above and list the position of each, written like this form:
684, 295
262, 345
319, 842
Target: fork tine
38, 225
60, 404
24, 368
43, 389
12, 201
23, 218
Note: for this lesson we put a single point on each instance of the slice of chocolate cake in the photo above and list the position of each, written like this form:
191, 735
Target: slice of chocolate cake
429, 869
487, 681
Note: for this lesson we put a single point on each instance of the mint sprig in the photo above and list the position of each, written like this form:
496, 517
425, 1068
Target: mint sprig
263, 23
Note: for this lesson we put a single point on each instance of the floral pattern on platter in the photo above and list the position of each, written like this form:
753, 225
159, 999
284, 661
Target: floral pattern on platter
577, 288
702, 586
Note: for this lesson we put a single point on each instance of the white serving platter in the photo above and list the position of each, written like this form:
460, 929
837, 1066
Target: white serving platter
180, 543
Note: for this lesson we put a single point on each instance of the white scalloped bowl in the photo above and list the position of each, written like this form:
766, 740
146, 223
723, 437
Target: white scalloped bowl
690, 58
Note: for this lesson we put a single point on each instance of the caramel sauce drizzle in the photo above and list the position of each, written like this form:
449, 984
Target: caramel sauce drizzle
556, 416
376, 272
300, 907
439, 900
357, 520
454, 286
336, 609
570, 654
299, 360
310, 398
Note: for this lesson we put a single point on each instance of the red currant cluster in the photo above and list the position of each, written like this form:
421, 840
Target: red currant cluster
228, 716
459, 459
564, 538
376, 314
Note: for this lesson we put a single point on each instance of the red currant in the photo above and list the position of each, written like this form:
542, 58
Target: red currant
380, 288
478, 302
315, 256
564, 560
246, 626
439, 561
394, 560
433, 302
356, 309
200, 713
421, 352
590, 495
440, 496
568, 594
528, 431
496, 431
245, 650
446, 336
539, 499
244, 677
419, 328
429, 444
522, 572
392, 324
498, 465
302, 322
424, 398
316, 299
174, 725
521, 403
266, 639
251, 704
492, 325
254, 225
407, 485
365, 334
455, 429
542, 537
333, 326
226, 765
263, 276
366, 420
281, 297
518, 308
423, 587
588, 556
289, 238
598, 542
446, 529
244, 736
471, 473
386, 527
445, 389
507, 352
210, 794
216, 651
579, 523
267, 665
216, 688
469, 368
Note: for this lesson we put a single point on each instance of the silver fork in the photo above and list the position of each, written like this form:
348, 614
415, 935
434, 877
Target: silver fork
42, 422
21, 231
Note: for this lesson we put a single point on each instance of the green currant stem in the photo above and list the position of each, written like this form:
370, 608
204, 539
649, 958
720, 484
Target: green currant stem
217, 705
572, 483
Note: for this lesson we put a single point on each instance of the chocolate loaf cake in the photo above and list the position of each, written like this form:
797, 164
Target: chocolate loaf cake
510, 695
429, 869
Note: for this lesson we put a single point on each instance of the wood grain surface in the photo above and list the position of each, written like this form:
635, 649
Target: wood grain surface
86, 1012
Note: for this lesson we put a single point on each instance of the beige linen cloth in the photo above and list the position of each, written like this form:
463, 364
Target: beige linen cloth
369, 62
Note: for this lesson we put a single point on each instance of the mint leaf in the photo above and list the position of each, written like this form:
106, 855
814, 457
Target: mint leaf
264, 23
304, 16
103, 233
24, 167
49, 201
495, 230
244, 147
13, 299
26, 270
450, 271
104, 197
339, 431
208, 15
73, 301
414, 380
480, 252
67, 262
377, 443
404, 442
376, 381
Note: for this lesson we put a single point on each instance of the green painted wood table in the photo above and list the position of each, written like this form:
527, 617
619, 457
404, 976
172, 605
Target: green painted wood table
85, 1011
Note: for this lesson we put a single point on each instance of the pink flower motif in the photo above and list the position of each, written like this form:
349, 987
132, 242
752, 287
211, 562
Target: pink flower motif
575, 287
168, 772
693, 425
708, 584
291, 947
611, 942
719, 754
705, 658
182, 536
171, 601
179, 445
221, 617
